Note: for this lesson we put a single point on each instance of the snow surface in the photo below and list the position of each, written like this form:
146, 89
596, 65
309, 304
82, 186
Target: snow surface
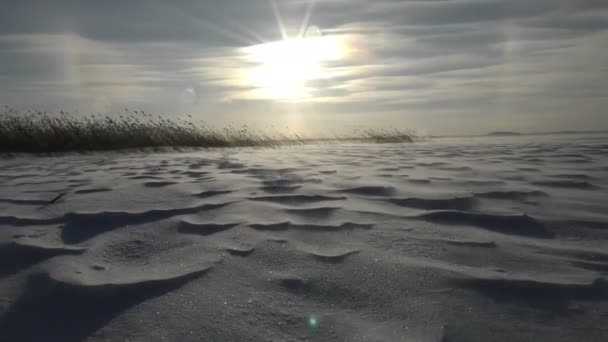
455, 239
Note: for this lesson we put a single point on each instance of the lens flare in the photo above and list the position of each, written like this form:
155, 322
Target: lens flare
313, 322
188, 96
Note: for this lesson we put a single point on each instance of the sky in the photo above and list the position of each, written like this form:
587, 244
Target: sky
317, 67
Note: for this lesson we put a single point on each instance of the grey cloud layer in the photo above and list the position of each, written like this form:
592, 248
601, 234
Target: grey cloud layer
422, 62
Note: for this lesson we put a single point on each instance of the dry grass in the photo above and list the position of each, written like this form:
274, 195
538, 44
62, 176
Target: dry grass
384, 136
44, 132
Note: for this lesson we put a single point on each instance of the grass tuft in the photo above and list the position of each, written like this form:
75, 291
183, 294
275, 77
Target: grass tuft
45, 132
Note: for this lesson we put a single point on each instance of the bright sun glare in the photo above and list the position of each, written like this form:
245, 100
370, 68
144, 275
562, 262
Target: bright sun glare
285, 69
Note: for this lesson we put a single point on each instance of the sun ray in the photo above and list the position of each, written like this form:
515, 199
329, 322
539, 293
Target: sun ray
248, 32
208, 25
277, 15
309, 8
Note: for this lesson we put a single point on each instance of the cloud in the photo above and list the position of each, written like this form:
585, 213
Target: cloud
427, 62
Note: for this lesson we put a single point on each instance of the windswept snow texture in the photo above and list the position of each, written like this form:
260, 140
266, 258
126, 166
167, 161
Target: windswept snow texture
478, 239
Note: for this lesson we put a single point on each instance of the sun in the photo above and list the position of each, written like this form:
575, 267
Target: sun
296, 68
286, 69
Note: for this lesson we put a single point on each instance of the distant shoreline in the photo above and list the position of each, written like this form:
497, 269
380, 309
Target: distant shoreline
517, 134
502, 133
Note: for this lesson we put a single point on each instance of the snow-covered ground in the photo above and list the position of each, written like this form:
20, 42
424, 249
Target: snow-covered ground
455, 239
